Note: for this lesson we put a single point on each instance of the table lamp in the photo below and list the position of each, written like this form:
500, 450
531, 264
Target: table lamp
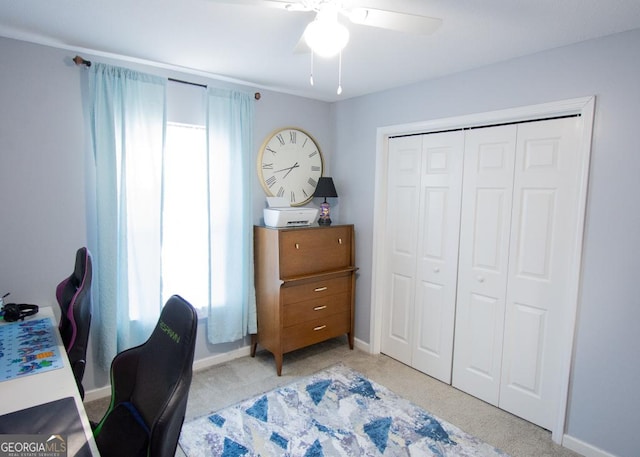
325, 188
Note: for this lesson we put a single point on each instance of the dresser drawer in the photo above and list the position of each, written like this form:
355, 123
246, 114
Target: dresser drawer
315, 331
319, 308
312, 251
315, 289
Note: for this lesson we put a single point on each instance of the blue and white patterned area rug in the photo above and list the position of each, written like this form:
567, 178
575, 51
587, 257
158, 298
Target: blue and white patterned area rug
336, 412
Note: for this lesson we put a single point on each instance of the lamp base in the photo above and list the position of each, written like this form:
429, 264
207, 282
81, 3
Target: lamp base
325, 209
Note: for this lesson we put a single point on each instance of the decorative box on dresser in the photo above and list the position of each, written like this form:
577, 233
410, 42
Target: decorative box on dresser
305, 286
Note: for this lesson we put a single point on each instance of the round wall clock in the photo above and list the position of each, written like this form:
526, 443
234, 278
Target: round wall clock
289, 165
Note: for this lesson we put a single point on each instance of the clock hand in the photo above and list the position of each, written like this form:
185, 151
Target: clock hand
294, 166
288, 168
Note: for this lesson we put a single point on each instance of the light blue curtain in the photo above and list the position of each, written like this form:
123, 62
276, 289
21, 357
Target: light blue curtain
128, 122
232, 306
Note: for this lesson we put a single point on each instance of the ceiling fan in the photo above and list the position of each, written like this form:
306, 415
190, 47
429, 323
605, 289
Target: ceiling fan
326, 36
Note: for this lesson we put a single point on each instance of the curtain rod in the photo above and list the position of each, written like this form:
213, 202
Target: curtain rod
87, 63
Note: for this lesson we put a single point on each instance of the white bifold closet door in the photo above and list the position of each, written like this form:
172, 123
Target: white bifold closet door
423, 216
519, 222
484, 260
478, 259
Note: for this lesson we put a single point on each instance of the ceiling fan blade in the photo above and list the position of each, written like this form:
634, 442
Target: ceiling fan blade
301, 47
393, 20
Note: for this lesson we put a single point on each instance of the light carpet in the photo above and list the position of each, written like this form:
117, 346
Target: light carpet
336, 412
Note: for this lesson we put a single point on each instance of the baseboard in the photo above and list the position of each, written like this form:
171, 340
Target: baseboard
362, 345
208, 362
200, 364
586, 449
97, 394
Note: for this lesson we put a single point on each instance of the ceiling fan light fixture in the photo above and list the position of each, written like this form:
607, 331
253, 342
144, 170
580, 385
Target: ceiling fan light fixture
326, 37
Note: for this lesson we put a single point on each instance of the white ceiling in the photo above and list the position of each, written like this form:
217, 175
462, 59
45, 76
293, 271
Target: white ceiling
250, 44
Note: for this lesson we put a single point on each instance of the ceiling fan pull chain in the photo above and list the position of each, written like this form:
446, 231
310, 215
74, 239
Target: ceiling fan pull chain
311, 75
340, 74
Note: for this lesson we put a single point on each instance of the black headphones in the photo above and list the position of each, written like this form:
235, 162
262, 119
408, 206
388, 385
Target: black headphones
17, 312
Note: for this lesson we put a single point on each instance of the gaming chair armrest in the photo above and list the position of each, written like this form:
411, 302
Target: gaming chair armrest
78, 368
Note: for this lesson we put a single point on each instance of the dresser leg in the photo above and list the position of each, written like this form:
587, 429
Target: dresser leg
254, 344
278, 358
350, 335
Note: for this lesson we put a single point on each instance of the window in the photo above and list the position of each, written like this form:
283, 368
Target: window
185, 228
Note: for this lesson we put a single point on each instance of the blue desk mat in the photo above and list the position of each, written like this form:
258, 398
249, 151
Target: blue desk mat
59, 417
28, 347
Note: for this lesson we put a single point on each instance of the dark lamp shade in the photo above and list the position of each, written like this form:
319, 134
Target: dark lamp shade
325, 188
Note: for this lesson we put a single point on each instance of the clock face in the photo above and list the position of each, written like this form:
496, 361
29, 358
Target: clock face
289, 165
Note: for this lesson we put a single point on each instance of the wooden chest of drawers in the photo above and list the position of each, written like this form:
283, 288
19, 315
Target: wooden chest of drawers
305, 284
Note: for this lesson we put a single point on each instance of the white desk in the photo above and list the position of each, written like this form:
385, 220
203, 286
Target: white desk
37, 389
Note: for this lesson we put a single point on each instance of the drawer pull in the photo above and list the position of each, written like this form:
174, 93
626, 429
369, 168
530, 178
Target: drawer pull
321, 327
320, 308
297, 246
339, 240
320, 289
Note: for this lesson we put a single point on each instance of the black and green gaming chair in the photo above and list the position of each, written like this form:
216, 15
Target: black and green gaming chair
149, 388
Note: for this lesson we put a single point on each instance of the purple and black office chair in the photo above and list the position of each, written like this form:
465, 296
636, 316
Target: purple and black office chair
150, 387
74, 298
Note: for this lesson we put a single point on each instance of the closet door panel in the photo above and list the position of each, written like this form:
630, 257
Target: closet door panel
401, 315
489, 161
545, 223
403, 200
437, 262
430, 308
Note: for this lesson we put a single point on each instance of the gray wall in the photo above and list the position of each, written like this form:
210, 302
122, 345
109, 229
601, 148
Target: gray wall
45, 205
46, 171
604, 397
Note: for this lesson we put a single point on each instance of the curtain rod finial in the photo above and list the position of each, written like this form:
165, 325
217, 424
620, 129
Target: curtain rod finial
80, 61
